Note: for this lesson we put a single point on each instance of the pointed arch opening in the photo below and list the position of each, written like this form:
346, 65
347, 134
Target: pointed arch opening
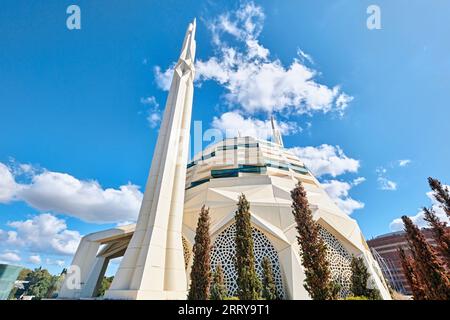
224, 252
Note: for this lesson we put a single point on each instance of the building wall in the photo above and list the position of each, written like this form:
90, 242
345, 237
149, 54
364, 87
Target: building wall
266, 173
8, 275
387, 247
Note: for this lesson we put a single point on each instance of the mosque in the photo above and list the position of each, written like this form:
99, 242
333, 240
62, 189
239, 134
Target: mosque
157, 250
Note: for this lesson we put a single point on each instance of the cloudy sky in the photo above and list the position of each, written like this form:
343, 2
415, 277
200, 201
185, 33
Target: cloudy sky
366, 110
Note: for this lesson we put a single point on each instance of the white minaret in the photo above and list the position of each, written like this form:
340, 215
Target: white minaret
276, 134
153, 264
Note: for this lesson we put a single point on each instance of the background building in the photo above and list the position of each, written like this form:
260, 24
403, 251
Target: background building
8, 275
385, 249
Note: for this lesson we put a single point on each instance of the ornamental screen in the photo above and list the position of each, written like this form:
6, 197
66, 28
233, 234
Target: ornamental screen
224, 251
186, 252
339, 260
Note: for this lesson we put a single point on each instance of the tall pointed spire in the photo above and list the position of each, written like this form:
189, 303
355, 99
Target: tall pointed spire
153, 264
276, 134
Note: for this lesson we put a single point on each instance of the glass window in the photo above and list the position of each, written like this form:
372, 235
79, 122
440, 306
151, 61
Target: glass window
197, 183
191, 164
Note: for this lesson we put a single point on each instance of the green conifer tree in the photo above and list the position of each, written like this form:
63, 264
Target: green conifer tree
269, 291
249, 286
360, 279
218, 289
201, 265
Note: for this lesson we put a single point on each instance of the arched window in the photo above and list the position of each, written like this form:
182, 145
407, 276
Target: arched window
339, 260
224, 252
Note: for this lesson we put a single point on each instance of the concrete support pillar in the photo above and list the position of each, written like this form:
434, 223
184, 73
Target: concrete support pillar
82, 263
153, 264
95, 278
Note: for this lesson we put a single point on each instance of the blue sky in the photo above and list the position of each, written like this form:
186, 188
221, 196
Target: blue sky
79, 109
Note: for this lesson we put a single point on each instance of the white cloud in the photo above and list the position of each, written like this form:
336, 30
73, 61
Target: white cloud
304, 56
418, 218
44, 233
87, 200
83, 199
326, 159
232, 123
151, 101
164, 79
339, 192
9, 257
59, 263
383, 182
386, 184
268, 86
35, 259
404, 162
153, 112
154, 119
254, 81
358, 181
430, 195
8, 185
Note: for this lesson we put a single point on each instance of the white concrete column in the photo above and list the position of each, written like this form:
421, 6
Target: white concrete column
83, 262
94, 278
153, 264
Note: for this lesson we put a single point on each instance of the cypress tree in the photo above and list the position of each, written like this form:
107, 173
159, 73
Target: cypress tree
441, 194
429, 265
249, 286
359, 280
440, 233
201, 266
218, 289
412, 276
269, 291
313, 249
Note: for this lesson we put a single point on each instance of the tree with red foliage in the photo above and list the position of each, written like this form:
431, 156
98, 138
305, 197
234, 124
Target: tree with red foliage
429, 265
440, 233
441, 193
412, 276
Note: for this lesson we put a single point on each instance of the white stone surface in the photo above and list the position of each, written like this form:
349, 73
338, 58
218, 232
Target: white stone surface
153, 265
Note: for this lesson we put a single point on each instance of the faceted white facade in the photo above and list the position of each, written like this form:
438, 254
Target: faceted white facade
266, 173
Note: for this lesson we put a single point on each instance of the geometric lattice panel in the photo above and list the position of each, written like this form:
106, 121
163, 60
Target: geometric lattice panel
339, 260
186, 252
224, 252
